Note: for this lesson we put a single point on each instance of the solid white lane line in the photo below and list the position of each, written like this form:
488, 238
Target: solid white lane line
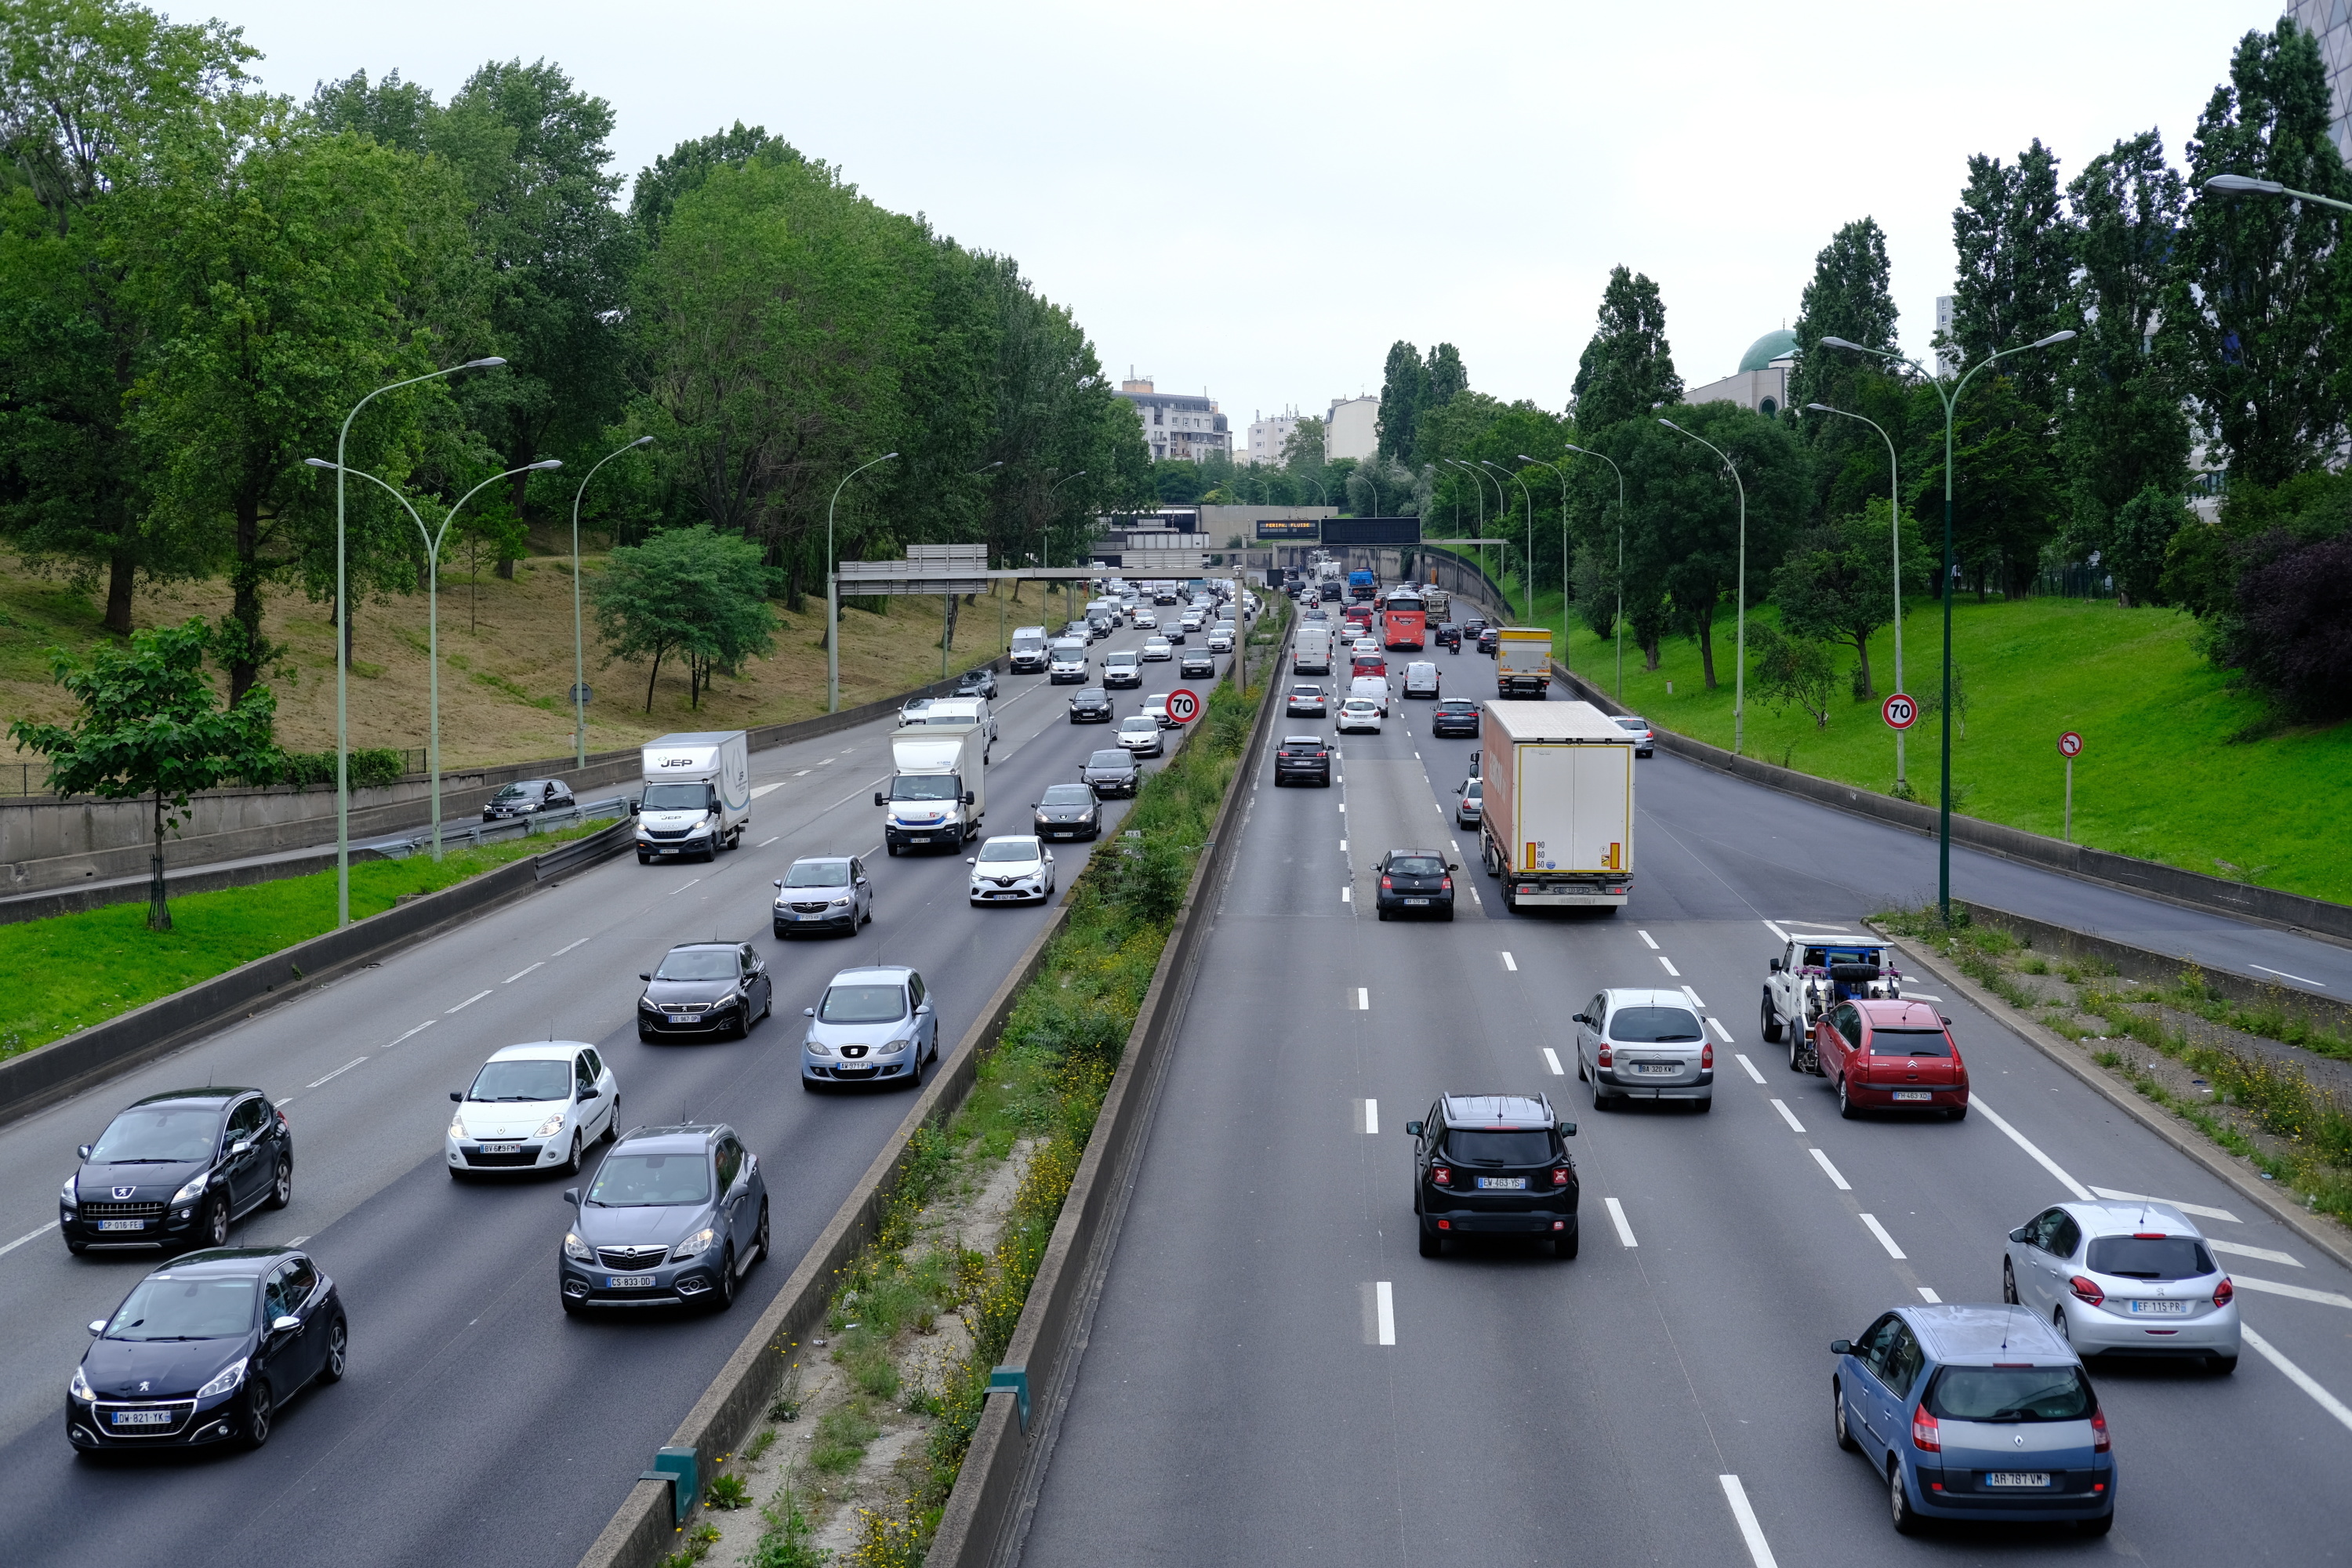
2240, 1250
1976, 1103
1787, 1115
1694, 999
355, 1061
1385, 1305
568, 946
1879, 1231
1927, 1295
765, 842
1617, 1218
2283, 974
689, 882
418, 1030
29, 1235
1670, 966
1744, 1062
2301, 1293
1551, 1060
2206, 1211
519, 974
1372, 1116
2295, 1374
1842, 1184
1646, 936
1510, 964
1721, 1032
1776, 930
1363, 999
759, 790
466, 1003
1759, 1549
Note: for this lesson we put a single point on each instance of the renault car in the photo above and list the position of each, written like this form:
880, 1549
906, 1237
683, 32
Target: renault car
531, 1108
1010, 869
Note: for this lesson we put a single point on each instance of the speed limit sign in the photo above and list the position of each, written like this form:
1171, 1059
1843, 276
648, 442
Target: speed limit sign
1182, 706
1900, 712
2070, 744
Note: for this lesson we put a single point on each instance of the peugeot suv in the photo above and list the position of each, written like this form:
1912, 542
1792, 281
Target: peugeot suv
1302, 759
1494, 1164
675, 1215
175, 1170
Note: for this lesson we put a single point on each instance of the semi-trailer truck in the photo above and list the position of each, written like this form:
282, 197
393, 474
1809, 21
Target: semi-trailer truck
697, 796
939, 786
1523, 662
1558, 795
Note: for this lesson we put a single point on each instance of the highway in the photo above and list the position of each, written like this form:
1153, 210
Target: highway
1273, 1374
478, 1421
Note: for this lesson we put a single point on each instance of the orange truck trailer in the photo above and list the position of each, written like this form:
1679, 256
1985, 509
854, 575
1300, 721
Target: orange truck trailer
1557, 818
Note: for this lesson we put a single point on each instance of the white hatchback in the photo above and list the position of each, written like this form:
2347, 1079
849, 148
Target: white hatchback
1359, 713
1145, 621
532, 1107
2130, 1279
1157, 648
1012, 870
1140, 732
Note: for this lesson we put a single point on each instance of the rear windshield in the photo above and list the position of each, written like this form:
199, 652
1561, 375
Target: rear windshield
818, 874
2011, 1394
1909, 1043
2149, 1257
1658, 1026
1418, 866
862, 1005
1532, 1147
636, 1180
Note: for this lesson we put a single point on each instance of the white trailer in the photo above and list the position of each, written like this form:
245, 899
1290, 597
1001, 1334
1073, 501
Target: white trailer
697, 796
1523, 662
938, 788
1558, 819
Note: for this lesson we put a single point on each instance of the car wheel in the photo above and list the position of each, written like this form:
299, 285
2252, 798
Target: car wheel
867, 918
810, 1085
915, 1067
256, 1415
2058, 1321
2098, 1526
215, 1227
570, 1166
722, 1294
2008, 1281
1846, 1107
571, 1308
613, 1123
781, 933
1581, 1076
1837, 1420
760, 1240
1380, 911
1600, 1101
645, 1036
339, 1347
2220, 1365
1796, 1049
77, 1247
281, 1183
1898, 1501
1701, 1107
1957, 1113
1563, 1246
1768, 1021
1433, 1245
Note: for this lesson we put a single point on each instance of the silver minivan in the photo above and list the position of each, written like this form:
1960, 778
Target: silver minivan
1644, 1045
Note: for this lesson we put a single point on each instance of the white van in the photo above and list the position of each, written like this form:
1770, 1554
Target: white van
1069, 662
1369, 689
1028, 654
963, 711
1312, 653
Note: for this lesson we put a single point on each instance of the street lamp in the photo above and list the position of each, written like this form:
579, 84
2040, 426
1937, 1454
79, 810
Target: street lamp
1531, 534
1045, 548
343, 642
1740, 653
1894, 528
833, 593
2247, 186
579, 651
1619, 620
1952, 405
433, 538
1561, 474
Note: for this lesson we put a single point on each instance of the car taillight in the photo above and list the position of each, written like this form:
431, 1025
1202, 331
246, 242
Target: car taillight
2099, 1444
1446, 884
1706, 1055
1441, 1175
2224, 1293
1608, 1058
2086, 1292
1387, 885
1926, 1433
1560, 1175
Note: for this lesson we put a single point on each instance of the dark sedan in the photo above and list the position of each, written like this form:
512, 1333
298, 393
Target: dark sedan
206, 1349
1456, 716
526, 796
1197, 666
675, 1215
1489, 639
1448, 635
1302, 759
981, 682
1114, 771
1069, 811
1091, 706
705, 990
174, 1170
1416, 882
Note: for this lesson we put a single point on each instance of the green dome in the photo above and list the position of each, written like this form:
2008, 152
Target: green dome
1768, 348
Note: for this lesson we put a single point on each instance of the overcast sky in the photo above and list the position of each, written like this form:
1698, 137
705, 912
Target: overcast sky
1256, 200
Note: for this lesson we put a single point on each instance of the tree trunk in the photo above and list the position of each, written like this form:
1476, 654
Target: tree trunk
1707, 649
159, 912
1650, 651
521, 483
121, 573
651, 675
1862, 649
245, 575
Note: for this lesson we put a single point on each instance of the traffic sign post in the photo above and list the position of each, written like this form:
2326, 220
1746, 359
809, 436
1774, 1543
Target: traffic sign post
1182, 706
2069, 746
1900, 713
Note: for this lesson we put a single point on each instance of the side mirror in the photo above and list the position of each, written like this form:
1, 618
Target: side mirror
82, 1150
591, 1092
780, 882
971, 859
877, 797
97, 1326
1840, 1347
457, 1096
1946, 1021
242, 1146
571, 1197
2017, 1235
1453, 865
1412, 1129
1776, 962
1578, 1018
284, 1325
969, 798
808, 1012
1568, 1129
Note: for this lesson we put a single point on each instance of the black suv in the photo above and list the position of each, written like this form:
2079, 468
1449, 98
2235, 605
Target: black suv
173, 1170
1417, 881
1494, 1164
1456, 716
525, 796
1196, 666
1301, 758
981, 682
1112, 772
1091, 706
1448, 635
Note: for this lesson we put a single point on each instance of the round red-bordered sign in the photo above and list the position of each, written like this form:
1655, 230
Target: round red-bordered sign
2070, 744
1899, 711
1182, 706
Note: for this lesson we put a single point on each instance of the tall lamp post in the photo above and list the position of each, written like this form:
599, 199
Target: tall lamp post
2247, 186
1560, 474
433, 538
579, 648
1894, 528
1046, 546
1618, 621
342, 635
1740, 653
1952, 403
832, 593
1532, 532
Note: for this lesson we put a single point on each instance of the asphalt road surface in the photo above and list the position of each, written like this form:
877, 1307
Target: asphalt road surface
1274, 1375
477, 1423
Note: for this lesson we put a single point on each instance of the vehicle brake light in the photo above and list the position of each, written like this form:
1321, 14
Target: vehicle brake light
1388, 885
1560, 1175
1608, 1058
2099, 1444
2148, 1236
1926, 1432
1446, 884
2086, 1292
1706, 1055
1441, 1175
2225, 1292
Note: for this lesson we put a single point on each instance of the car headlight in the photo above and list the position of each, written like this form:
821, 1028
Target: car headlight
550, 1127
817, 1047
698, 829
457, 1126
648, 1005
67, 1197
193, 1189
840, 904
700, 1241
893, 1048
80, 1387
724, 1002
230, 1376
576, 1249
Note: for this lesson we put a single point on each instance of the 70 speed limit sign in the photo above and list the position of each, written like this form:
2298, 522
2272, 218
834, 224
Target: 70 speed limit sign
1182, 706
1900, 713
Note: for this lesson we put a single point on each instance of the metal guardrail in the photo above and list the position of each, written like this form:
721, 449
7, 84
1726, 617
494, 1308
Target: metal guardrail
477, 833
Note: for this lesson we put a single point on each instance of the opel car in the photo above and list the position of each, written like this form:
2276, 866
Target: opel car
874, 1025
531, 1108
1891, 1055
1494, 1164
1010, 869
175, 1170
675, 1216
823, 893
2124, 1279
1641, 1044
1069, 811
705, 990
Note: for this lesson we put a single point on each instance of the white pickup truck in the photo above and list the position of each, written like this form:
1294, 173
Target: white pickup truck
1815, 971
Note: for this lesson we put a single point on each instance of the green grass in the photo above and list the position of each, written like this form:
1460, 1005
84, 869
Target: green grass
73, 971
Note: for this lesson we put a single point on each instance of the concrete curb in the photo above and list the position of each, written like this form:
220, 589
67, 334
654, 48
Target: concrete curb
2147, 964
2239, 1174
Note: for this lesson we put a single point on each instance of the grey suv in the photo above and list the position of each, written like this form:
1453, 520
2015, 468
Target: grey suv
675, 1215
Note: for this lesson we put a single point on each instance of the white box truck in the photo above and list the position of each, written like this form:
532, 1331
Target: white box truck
1558, 819
1311, 653
1523, 662
939, 786
697, 798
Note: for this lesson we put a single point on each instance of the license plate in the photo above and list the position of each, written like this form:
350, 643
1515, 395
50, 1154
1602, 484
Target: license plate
142, 1417
1416, 903
816, 917
1915, 1094
681, 1017
1502, 1183
1659, 1069
918, 839
122, 1225
2017, 1478
628, 1281
501, 1147
2161, 1308
669, 849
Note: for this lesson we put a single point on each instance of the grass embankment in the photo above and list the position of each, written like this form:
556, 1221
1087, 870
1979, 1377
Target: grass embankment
70, 972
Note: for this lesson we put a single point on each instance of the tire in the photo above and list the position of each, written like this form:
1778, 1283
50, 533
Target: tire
1432, 1243
1846, 1108
1768, 1022
1837, 1420
893, 848
723, 1295
2058, 1321
1600, 1100
1563, 1246
1381, 913
646, 1037
810, 1085
216, 1229
761, 1240
1579, 1068
1898, 1503
1796, 1050
781, 933
915, 1069
571, 1308
644, 859
338, 1345
1957, 1113
1449, 914
2099, 1526
457, 1174
741, 1028
2009, 1282
1701, 1107
281, 1184
256, 1413
2220, 1365
613, 1123
570, 1166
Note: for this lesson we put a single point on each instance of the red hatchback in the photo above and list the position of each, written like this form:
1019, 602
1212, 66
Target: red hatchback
1891, 1056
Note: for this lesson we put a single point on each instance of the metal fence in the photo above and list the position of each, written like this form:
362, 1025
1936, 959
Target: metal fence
474, 833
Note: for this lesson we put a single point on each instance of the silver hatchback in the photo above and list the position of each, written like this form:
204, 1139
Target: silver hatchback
874, 1025
1644, 1045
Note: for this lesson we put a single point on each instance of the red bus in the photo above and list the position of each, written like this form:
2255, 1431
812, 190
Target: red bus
1405, 623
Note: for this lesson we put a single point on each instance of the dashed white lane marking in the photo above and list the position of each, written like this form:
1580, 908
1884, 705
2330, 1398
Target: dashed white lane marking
759, 790
1744, 1062
2300, 1292
1879, 1231
519, 974
1437, 808
1551, 1060
1384, 1305
1646, 936
2283, 974
1759, 1549
765, 842
1787, 1115
2240, 1250
1343, 847
1840, 1182
1363, 999
2019, 1138
1372, 1116
1343, 806
2295, 1374
568, 946
1510, 964
1477, 899
295, 1241
29, 1235
1927, 1295
1617, 1218
803, 774
466, 1003
682, 887
1346, 896
418, 1030
1694, 999
1670, 966
1721, 1033
826, 761
1917, 997
2210, 1213
355, 1061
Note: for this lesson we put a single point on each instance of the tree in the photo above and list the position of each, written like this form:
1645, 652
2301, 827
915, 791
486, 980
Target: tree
2142, 532
1405, 390
1446, 377
1792, 671
1838, 581
1848, 297
151, 726
2016, 253
2259, 286
2292, 633
694, 592
2005, 506
1627, 367
684, 168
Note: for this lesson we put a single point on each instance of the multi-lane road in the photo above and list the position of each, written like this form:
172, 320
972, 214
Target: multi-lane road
478, 1422
1274, 1375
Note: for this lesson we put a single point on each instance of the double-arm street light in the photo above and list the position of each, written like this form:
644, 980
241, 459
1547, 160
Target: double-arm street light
1561, 474
1739, 647
343, 643
1894, 528
433, 538
1952, 403
1531, 530
579, 648
832, 593
1618, 621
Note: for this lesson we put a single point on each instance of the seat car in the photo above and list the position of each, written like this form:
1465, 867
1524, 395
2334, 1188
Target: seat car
1891, 1056
1140, 734
675, 1216
207, 1349
1122, 667
526, 796
981, 682
532, 1107
1112, 772
1157, 650
2124, 1279
1455, 717
1494, 1164
1415, 882
705, 990
1069, 811
1359, 713
1472, 626
1197, 666
1970, 1412
1645, 740
1422, 680
823, 893
875, 1025
1448, 635
1471, 809
1010, 869
1639, 1044
1302, 759
176, 1169
1092, 705
1306, 699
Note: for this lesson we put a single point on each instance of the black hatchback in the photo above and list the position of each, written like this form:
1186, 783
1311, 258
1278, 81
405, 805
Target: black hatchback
1112, 772
526, 796
1448, 635
1455, 717
1302, 759
174, 1170
705, 990
1490, 639
1069, 811
1416, 882
1494, 1164
1091, 706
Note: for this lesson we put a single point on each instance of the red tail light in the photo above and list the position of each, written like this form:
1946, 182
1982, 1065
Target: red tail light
1560, 1175
2086, 1292
1926, 1433
1446, 884
2225, 1292
1706, 1055
1608, 1058
1388, 885
2099, 1444
1441, 1175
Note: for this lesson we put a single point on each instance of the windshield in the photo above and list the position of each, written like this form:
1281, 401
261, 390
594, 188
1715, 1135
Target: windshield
1909, 1043
1528, 1148
1017, 850
862, 1004
162, 1308
1654, 1026
1125, 656
926, 786
646, 1181
818, 874
517, 791
697, 964
2149, 1257
1113, 760
1137, 723
522, 1080
1068, 794
676, 797
1417, 865
1027, 644
159, 1134
1823, 957
2011, 1394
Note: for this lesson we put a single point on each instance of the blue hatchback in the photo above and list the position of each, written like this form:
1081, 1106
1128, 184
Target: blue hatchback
1975, 1413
